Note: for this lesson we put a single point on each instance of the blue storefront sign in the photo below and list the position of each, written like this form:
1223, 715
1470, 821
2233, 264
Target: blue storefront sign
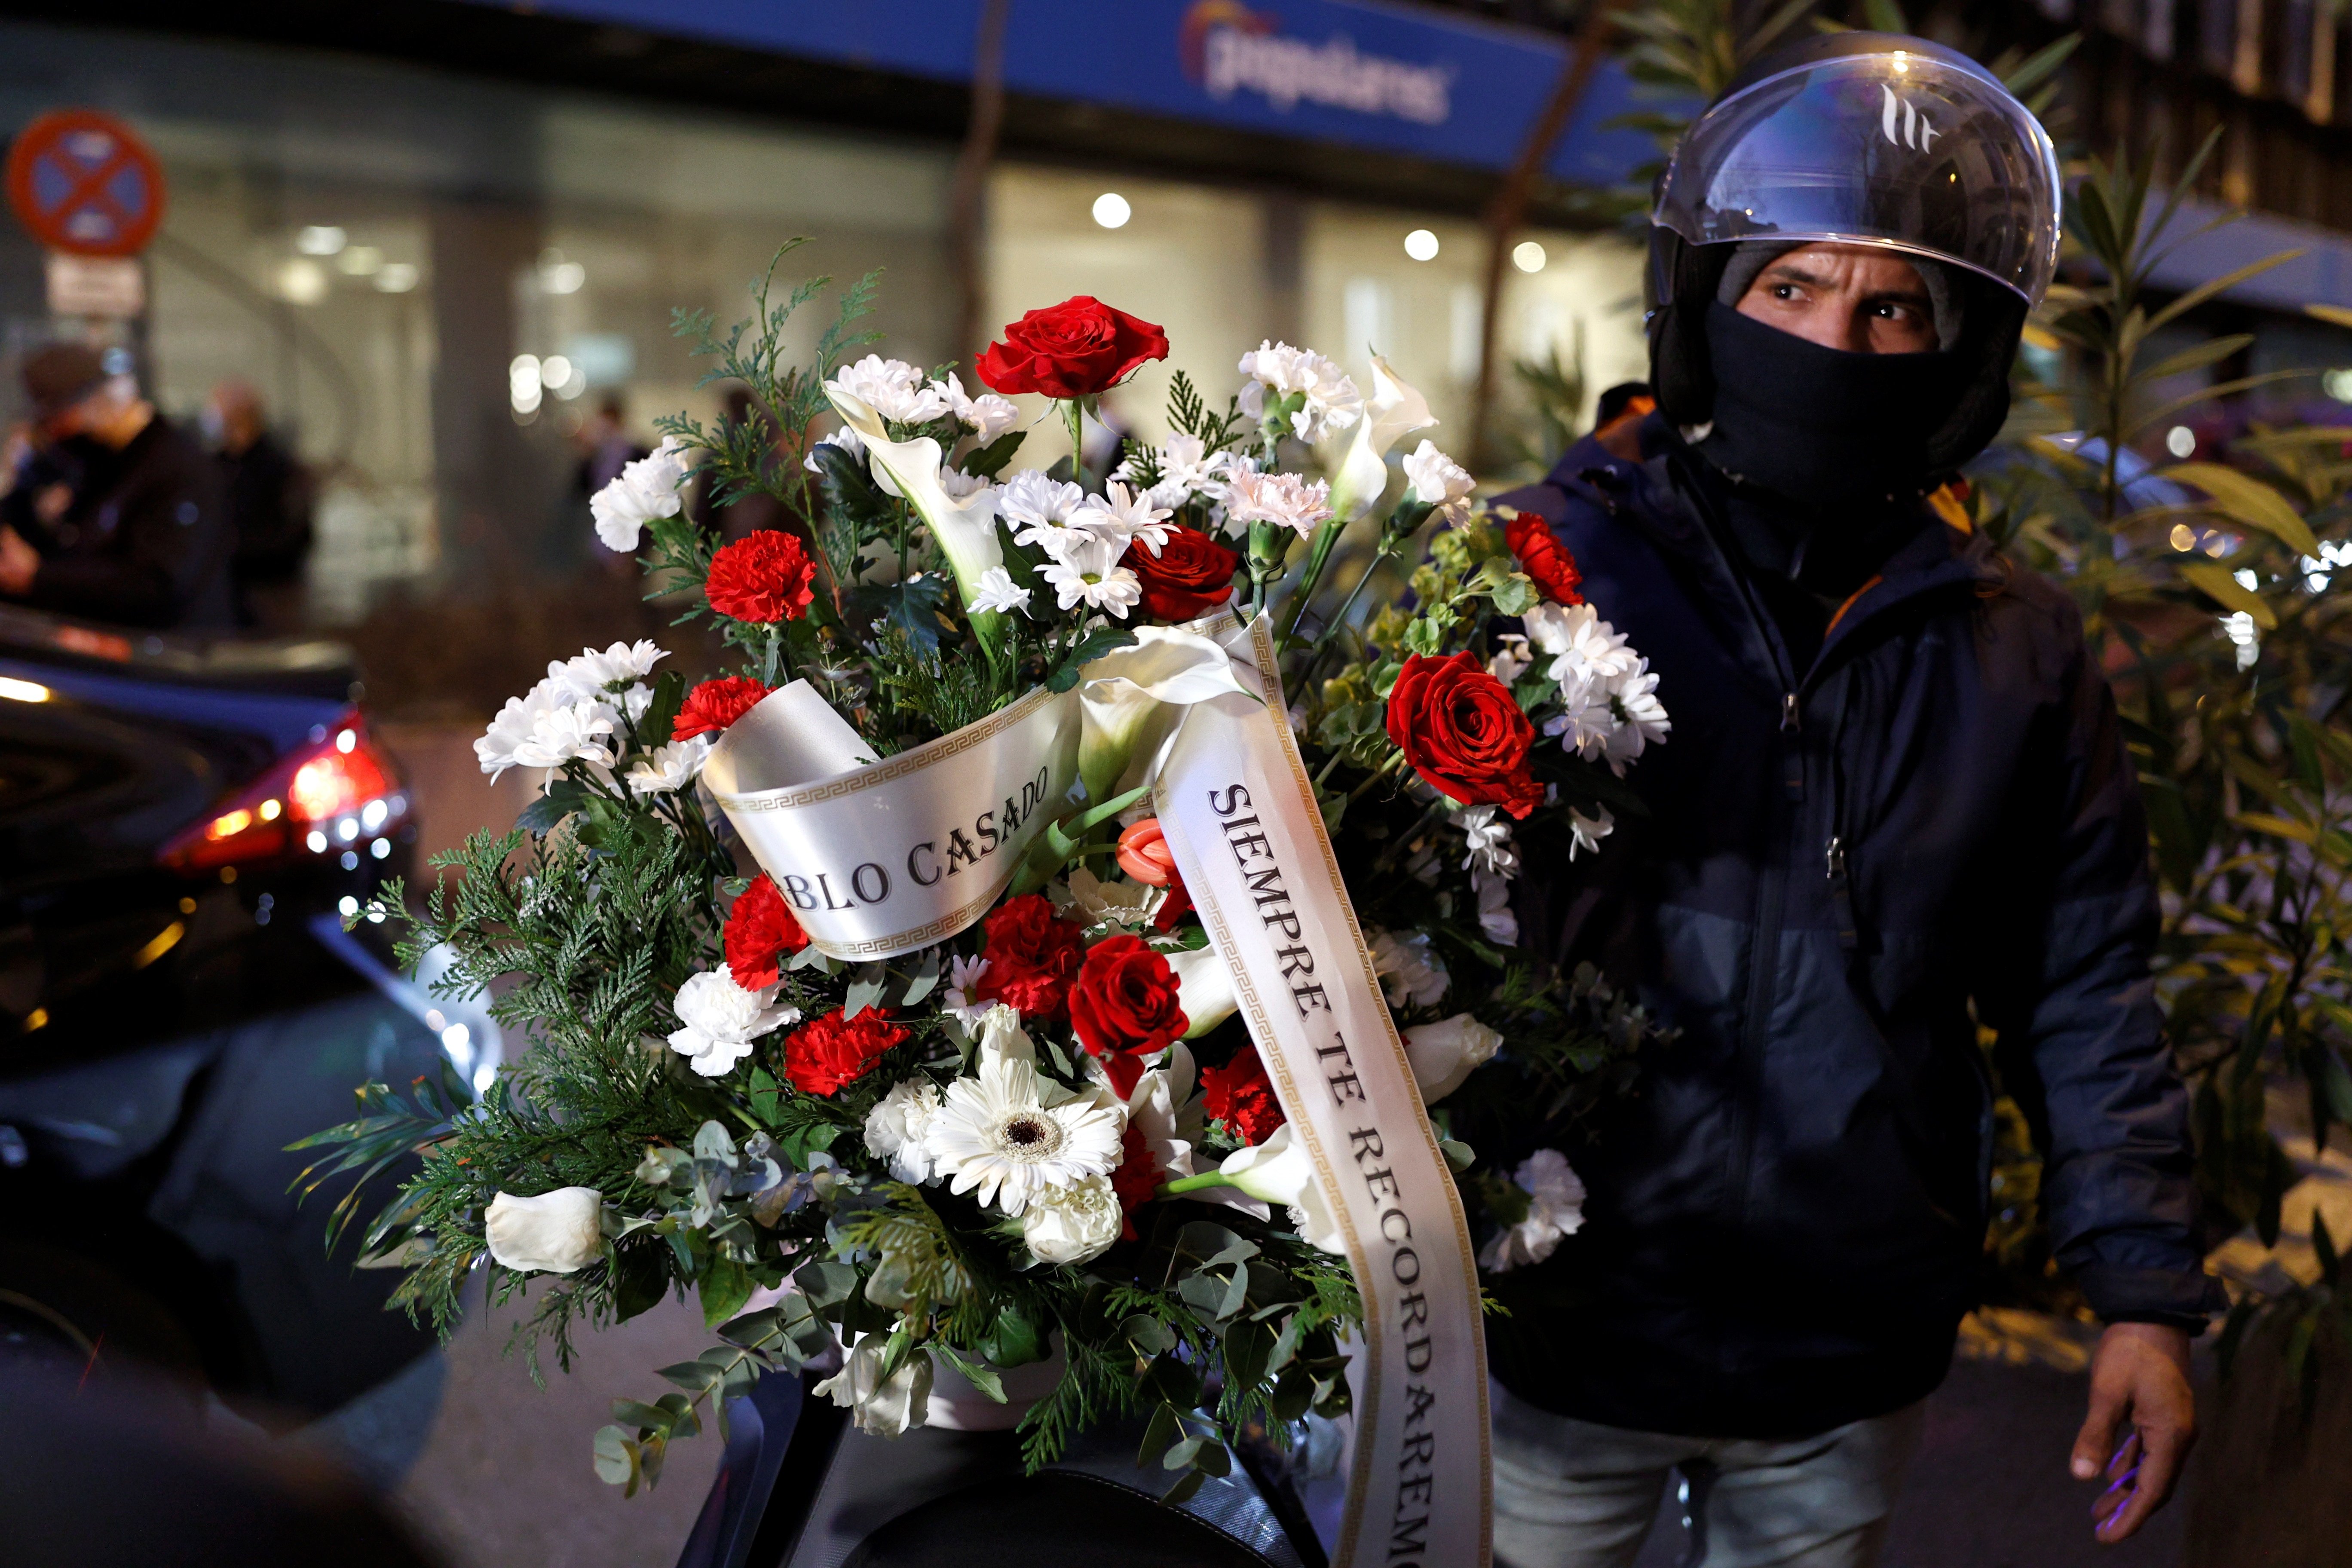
1381, 78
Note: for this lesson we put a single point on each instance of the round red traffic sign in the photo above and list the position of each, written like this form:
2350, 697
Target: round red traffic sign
83, 181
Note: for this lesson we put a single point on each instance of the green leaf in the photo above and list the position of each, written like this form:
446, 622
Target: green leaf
980, 1373
2214, 580
641, 1279
912, 607
2025, 77
2247, 499
989, 461
616, 1459
1092, 647
646, 1417
661, 714
866, 988
1014, 1340
1886, 17
693, 1376
563, 798
724, 1287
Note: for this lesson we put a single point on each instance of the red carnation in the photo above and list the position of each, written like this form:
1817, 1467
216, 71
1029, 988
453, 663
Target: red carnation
1544, 558
1075, 349
1033, 955
763, 578
1136, 1179
828, 1053
1191, 575
761, 931
1461, 731
715, 704
1125, 1007
1240, 1095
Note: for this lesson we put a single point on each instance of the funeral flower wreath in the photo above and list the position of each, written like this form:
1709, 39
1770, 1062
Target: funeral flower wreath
1041, 1136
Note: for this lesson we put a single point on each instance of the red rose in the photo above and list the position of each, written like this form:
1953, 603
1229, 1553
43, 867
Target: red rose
1544, 558
715, 704
1033, 954
1076, 349
760, 931
1460, 729
1136, 1179
1124, 1007
1240, 1095
1144, 854
763, 578
1191, 575
824, 1054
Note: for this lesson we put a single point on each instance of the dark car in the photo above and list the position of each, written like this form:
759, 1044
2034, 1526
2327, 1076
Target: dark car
183, 827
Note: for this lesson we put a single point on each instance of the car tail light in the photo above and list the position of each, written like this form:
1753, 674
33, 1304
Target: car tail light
341, 795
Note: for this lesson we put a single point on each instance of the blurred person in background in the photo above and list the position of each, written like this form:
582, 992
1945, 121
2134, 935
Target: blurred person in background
269, 501
605, 446
114, 512
747, 514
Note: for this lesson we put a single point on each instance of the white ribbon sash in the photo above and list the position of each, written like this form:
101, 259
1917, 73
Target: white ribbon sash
881, 858
1240, 813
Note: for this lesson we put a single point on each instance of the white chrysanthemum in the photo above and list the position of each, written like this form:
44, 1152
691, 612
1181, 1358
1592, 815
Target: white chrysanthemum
1092, 901
1643, 721
895, 1128
848, 439
895, 390
1088, 573
643, 491
1284, 499
987, 417
1038, 509
996, 594
591, 675
568, 731
994, 1136
1511, 661
1589, 831
1410, 970
1496, 917
1075, 1223
671, 766
1555, 1208
510, 730
1122, 514
961, 486
1579, 643
1440, 481
1586, 719
721, 1021
957, 1000
1187, 468
1487, 833
1332, 401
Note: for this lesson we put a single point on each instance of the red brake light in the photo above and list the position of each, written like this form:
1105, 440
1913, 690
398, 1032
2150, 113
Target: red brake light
339, 795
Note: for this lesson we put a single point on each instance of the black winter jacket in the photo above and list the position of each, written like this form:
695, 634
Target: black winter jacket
1786, 1220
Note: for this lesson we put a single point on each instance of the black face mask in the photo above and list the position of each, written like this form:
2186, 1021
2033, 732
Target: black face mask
1822, 427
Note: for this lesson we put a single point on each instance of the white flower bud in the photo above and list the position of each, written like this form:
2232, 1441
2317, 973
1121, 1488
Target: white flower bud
557, 1232
1444, 1053
1073, 1224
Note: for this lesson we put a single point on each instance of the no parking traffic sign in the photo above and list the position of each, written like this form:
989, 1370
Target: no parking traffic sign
84, 183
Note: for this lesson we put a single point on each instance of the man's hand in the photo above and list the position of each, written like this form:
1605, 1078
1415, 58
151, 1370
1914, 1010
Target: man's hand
20, 563
2139, 1375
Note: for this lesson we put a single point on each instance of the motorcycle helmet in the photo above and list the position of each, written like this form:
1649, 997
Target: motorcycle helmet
1871, 138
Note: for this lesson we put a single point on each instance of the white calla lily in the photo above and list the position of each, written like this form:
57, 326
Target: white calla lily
1204, 989
1278, 1171
1127, 685
966, 530
1396, 410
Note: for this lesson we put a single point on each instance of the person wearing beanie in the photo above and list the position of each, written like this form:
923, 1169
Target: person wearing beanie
1896, 811
114, 512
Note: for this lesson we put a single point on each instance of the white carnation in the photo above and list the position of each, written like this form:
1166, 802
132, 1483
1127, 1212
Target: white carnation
1409, 968
722, 1021
987, 417
1555, 1209
643, 491
895, 1128
1332, 401
1440, 481
1073, 1224
1284, 499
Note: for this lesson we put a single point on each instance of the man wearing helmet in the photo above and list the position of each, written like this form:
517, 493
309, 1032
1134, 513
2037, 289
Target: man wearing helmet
1898, 811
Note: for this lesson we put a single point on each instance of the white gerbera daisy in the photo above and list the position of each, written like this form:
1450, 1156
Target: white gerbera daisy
994, 1134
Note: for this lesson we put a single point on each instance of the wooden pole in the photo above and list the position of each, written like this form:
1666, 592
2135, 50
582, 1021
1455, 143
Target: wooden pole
968, 191
1508, 208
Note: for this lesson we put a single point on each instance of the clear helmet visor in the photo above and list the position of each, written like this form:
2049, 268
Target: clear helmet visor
1896, 149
